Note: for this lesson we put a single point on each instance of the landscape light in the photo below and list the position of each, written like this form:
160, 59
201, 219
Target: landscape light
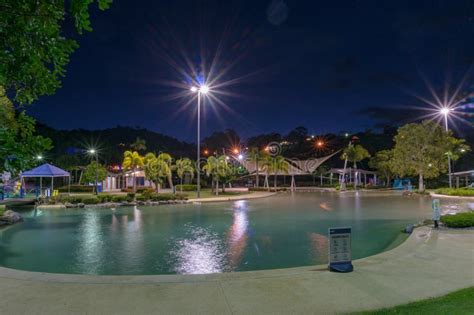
236, 151
39, 157
240, 157
320, 143
92, 151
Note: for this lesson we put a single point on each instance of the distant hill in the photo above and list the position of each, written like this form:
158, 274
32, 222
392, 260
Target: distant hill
112, 142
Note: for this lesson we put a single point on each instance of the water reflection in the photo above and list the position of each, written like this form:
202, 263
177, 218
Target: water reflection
199, 253
90, 251
237, 236
132, 232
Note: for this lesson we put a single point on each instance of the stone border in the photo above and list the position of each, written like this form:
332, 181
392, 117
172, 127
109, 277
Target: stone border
433, 195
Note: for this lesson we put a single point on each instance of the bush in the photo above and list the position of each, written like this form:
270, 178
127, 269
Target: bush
143, 190
166, 197
77, 189
187, 187
90, 200
464, 192
130, 196
141, 198
459, 220
2, 209
105, 198
119, 198
70, 199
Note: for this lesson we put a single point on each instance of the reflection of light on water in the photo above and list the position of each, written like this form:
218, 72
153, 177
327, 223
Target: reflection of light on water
319, 246
90, 253
237, 236
133, 240
201, 252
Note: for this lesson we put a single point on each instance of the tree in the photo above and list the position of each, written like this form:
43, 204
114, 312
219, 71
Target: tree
139, 145
132, 161
216, 168
276, 164
89, 174
34, 52
19, 146
166, 158
354, 153
156, 169
183, 167
382, 162
256, 156
422, 150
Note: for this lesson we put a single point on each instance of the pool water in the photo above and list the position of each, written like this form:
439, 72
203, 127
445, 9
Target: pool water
286, 230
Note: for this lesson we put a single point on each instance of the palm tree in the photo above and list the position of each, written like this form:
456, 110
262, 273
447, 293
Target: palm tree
216, 167
354, 153
256, 155
156, 169
166, 158
275, 164
132, 161
139, 145
183, 167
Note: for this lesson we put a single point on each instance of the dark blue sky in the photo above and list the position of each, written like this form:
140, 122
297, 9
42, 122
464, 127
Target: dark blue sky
310, 63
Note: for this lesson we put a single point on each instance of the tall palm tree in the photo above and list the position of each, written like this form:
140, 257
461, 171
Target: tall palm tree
216, 167
156, 169
276, 164
256, 155
166, 158
139, 145
132, 161
354, 153
183, 167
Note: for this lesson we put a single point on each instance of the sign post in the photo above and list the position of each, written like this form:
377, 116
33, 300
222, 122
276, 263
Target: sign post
340, 251
435, 205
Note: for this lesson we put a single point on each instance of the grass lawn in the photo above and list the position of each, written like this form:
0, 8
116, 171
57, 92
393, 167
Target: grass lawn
459, 302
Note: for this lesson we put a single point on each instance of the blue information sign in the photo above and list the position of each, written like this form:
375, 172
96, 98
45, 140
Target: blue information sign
340, 251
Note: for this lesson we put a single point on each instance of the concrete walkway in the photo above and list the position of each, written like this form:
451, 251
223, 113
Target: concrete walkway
253, 195
430, 263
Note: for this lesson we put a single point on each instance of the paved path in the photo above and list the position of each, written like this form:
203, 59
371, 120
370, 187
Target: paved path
430, 263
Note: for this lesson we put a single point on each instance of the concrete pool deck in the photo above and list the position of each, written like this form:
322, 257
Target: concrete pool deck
429, 263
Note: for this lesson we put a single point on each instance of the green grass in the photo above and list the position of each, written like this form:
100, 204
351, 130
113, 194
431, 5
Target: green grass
459, 220
463, 192
456, 303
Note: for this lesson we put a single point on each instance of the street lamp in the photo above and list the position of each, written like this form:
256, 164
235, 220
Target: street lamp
39, 157
202, 90
445, 112
94, 152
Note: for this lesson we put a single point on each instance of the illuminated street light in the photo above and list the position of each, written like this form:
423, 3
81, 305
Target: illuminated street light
94, 152
445, 112
202, 90
236, 151
240, 157
39, 157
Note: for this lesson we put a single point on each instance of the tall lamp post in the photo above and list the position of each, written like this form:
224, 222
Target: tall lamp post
94, 152
445, 112
202, 90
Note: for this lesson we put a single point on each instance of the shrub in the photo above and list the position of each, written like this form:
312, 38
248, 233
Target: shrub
105, 198
166, 197
77, 188
187, 187
2, 209
464, 192
130, 196
143, 190
119, 198
70, 199
141, 198
459, 220
90, 200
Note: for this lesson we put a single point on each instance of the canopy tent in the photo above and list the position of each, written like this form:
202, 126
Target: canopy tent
47, 171
295, 167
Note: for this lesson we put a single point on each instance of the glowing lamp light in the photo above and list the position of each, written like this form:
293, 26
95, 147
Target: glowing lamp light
194, 89
236, 151
206, 152
320, 144
240, 157
204, 89
445, 110
39, 157
92, 151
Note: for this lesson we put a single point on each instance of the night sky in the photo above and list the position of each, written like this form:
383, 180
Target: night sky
281, 64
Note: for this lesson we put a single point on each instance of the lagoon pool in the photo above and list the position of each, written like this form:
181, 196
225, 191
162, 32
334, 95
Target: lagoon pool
287, 230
